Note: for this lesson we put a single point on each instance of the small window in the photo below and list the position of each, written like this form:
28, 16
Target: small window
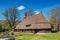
28, 25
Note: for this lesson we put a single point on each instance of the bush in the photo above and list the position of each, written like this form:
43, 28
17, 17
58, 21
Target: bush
5, 30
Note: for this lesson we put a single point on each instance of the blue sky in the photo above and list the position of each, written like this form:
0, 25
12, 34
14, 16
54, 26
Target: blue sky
24, 5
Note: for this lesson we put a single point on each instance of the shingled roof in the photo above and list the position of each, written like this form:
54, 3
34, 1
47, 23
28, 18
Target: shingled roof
36, 22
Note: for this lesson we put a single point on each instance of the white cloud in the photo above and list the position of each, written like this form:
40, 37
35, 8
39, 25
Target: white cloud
36, 12
21, 7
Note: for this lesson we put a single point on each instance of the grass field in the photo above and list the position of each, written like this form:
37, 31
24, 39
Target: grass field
53, 36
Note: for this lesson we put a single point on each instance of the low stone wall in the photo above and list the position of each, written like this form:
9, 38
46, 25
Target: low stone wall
4, 38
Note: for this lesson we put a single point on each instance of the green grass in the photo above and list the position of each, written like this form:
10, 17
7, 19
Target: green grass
53, 36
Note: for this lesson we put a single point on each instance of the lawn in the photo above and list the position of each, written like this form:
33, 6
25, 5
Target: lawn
53, 36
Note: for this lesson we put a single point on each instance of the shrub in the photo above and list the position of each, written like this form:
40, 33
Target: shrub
0, 28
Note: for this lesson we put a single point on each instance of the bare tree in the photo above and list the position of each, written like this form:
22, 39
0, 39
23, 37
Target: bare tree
53, 23
30, 12
55, 12
11, 16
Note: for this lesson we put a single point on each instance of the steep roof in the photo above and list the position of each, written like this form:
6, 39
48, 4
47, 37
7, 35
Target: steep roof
33, 19
36, 22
